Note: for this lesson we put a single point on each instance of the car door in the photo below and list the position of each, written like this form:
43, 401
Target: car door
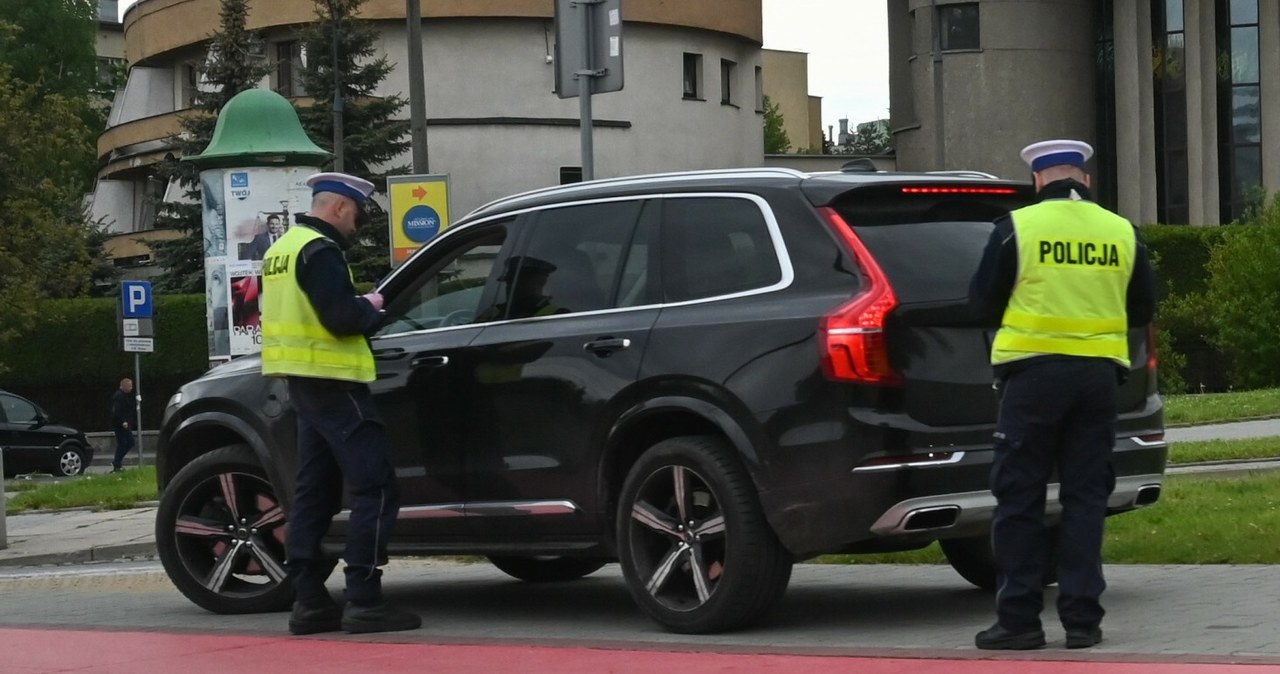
434, 311
576, 312
24, 444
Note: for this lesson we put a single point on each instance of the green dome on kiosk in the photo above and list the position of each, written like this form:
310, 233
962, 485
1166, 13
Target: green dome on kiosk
259, 127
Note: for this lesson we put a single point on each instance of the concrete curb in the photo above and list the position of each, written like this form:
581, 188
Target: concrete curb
101, 553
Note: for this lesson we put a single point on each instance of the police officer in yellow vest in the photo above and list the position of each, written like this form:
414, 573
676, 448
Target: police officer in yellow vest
313, 332
1067, 279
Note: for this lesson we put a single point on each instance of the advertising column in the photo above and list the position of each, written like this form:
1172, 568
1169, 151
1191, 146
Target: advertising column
252, 187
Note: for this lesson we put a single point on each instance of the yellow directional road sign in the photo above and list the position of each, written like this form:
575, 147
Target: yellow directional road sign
419, 212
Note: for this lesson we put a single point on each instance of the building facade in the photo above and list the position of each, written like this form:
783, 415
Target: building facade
1178, 96
786, 82
693, 86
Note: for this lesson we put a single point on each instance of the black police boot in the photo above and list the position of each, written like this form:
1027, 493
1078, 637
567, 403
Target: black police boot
315, 616
998, 638
1083, 637
378, 618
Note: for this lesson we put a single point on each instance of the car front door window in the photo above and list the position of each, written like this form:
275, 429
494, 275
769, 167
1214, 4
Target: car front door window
450, 293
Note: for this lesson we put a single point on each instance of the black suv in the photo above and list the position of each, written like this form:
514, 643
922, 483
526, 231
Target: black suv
703, 376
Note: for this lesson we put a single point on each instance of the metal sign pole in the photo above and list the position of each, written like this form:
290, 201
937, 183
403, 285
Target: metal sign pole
585, 73
137, 402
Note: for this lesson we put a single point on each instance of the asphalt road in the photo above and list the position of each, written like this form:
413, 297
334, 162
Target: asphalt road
1156, 613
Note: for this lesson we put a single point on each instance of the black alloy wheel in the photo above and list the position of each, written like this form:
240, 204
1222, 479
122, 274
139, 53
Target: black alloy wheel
220, 533
696, 551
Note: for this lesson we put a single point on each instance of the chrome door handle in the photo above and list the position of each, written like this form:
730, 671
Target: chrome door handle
604, 347
429, 361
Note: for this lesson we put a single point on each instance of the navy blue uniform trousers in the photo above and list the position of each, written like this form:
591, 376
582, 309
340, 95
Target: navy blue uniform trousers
340, 435
1056, 414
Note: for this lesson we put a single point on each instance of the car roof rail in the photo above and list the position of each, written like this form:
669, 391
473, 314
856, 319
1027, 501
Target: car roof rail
704, 174
963, 173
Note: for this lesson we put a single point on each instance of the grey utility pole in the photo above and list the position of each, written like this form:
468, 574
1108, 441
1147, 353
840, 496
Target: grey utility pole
417, 89
584, 75
338, 108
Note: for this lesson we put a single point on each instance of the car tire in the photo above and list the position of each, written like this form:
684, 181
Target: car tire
973, 559
72, 461
696, 551
547, 569
220, 534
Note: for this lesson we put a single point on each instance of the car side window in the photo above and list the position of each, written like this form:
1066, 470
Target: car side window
572, 261
450, 291
715, 246
17, 410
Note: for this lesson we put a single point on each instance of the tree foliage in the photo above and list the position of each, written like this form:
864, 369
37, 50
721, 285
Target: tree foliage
44, 236
776, 140
54, 50
1242, 301
234, 64
372, 135
868, 138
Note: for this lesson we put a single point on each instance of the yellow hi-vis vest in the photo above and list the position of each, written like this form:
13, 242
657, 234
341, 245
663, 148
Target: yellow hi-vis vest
1075, 259
294, 341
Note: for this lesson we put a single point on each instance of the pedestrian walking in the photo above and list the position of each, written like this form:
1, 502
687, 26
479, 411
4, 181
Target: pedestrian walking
1067, 279
124, 412
314, 328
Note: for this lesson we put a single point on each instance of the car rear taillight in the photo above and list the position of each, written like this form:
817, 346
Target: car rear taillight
852, 337
1151, 348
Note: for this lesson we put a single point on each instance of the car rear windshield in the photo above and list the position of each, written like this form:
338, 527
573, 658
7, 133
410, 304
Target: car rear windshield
927, 239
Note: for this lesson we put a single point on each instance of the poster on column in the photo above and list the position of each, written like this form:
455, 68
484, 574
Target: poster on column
260, 206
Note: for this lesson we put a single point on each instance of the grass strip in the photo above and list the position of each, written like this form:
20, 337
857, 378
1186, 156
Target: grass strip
1217, 408
112, 491
1224, 450
1199, 520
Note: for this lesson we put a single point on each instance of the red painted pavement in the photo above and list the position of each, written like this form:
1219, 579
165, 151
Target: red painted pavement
37, 651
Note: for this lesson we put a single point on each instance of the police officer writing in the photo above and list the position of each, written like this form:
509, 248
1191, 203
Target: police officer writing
1067, 279
313, 333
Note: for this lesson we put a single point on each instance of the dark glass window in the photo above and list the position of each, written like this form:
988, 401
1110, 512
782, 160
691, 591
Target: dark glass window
958, 26
572, 261
1239, 108
692, 75
289, 68
17, 410
450, 292
715, 246
1171, 111
1104, 184
728, 71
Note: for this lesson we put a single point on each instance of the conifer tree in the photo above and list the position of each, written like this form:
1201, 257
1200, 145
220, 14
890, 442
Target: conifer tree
373, 136
234, 64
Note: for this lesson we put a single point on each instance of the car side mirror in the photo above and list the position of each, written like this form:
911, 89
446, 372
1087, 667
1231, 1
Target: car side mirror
39, 420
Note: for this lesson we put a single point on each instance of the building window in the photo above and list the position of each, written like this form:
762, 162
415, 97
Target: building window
1171, 111
958, 26
728, 71
1239, 108
693, 76
289, 63
759, 89
190, 81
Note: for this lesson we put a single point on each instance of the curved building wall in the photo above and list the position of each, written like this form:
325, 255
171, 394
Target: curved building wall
494, 122
1031, 78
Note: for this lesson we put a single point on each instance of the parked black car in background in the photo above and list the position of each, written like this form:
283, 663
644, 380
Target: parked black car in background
32, 443
703, 376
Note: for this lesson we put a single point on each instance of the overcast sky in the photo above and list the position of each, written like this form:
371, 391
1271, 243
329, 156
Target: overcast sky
848, 46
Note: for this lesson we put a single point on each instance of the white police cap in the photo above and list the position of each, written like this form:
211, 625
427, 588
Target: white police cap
1046, 153
347, 185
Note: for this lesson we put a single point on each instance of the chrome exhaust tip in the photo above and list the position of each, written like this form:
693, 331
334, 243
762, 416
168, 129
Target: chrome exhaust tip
1147, 494
924, 519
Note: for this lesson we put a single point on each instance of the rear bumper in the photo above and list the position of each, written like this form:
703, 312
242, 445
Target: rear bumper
900, 506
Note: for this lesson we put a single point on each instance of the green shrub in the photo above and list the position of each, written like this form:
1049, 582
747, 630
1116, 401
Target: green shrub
1241, 302
1188, 361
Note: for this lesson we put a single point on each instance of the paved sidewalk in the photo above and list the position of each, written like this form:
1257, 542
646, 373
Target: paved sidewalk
72, 536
